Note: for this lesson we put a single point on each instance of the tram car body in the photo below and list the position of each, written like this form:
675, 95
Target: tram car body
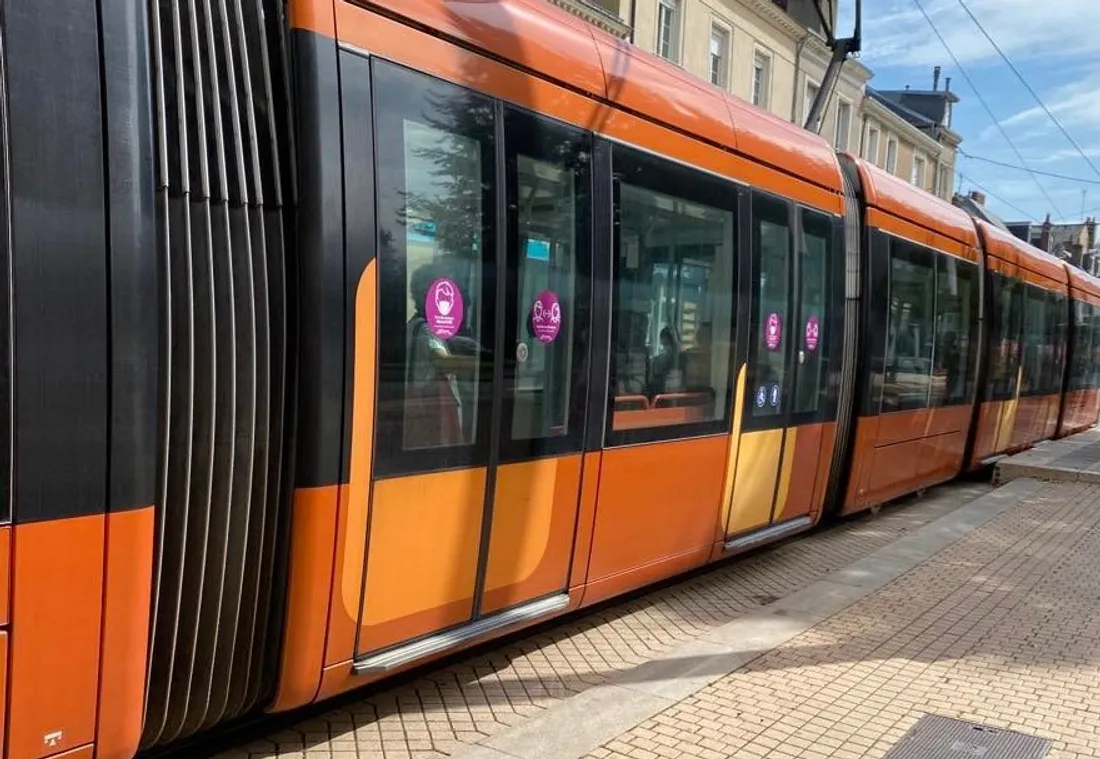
340, 336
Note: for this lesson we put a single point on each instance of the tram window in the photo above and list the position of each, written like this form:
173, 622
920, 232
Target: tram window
911, 326
435, 216
815, 252
771, 242
1092, 359
1058, 330
548, 172
1035, 341
956, 310
1082, 346
1055, 343
1004, 349
878, 292
674, 285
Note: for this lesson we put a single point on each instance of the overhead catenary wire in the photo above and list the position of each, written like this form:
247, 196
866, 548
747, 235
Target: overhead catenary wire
1029, 88
991, 194
1017, 167
985, 105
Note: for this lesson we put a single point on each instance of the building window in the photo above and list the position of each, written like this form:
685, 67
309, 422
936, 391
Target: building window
719, 55
668, 29
892, 155
811, 95
871, 151
943, 182
843, 125
920, 174
761, 79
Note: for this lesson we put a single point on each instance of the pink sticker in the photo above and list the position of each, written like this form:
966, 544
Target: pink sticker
546, 316
443, 308
813, 331
773, 331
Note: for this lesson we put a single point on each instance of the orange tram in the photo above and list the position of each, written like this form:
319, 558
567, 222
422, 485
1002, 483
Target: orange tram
341, 336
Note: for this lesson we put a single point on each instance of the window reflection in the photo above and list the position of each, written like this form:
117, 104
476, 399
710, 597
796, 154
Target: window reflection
910, 329
546, 207
815, 254
771, 239
435, 218
1008, 318
956, 310
674, 296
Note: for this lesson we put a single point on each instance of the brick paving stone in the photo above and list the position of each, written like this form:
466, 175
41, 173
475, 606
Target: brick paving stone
471, 700
1001, 628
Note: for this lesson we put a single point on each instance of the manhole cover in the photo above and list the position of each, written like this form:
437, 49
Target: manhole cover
935, 737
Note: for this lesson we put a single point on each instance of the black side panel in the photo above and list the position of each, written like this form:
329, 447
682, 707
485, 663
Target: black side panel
748, 275
59, 260
6, 379
359, 235
322, 277
853, 370
981, 360
604, 221
132, 244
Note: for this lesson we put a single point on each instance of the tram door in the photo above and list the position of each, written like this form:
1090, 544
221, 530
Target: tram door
787, 419
484, 298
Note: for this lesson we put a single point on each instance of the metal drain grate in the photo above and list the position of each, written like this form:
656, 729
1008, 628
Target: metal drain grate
935, 737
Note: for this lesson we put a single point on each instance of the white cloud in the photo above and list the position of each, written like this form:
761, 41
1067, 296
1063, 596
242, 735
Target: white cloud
1075, 103
895, 32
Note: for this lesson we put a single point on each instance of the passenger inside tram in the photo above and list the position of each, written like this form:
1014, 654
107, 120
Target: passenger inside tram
666, 368
437, 411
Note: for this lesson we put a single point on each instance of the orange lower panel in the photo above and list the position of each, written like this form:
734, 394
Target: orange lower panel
5, 576
1026, 428
985, 437
84, 752
656, 502
425, 538
339, 678
309, 584
57, 602
534, 513
354, 511
4, 648
586, 519
866, 431
639, 577
824, 463
798, 475
126, 609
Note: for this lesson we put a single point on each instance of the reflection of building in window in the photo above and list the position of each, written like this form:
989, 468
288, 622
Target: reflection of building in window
771, 244
910, 331
674, 295
547, 222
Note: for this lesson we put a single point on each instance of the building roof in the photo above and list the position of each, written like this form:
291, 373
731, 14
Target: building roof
1064, 235
924, 109
976, 208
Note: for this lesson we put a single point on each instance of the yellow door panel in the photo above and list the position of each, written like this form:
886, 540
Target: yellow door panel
754, 490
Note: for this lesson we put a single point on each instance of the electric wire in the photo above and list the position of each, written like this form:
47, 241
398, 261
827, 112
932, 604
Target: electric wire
1029, 88
985, 105
1025, 168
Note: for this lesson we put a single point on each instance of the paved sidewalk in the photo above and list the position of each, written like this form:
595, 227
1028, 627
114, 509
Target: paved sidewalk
457, 708
1000, 629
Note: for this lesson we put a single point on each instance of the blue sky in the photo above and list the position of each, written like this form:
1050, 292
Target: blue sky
1054, 45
